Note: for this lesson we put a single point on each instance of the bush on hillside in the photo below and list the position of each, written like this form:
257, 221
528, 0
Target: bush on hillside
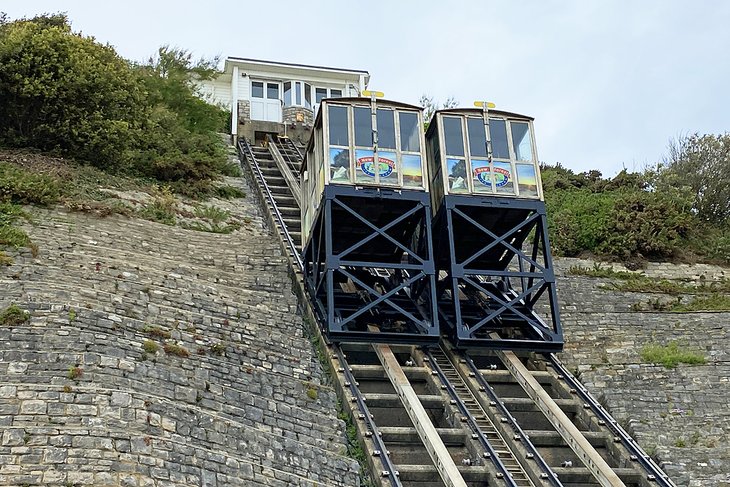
67, 93
623, 217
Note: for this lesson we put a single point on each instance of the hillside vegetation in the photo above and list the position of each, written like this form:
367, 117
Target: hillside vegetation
655, 215
131, 126
67, 94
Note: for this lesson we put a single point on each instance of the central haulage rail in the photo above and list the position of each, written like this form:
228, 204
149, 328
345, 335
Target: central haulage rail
429, 275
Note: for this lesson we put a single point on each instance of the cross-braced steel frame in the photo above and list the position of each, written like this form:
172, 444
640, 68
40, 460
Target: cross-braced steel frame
497, 288
369, 261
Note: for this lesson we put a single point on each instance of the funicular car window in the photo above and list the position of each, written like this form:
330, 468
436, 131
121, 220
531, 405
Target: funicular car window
339, 157
387, 159
502, 176
364, 155
410, 141
481, 171
456, 168
521, 141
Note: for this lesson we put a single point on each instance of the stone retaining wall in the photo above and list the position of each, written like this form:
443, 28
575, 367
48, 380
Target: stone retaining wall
239, 398
681, 415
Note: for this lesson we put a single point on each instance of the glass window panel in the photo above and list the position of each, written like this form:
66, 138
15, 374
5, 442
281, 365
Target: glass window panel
477, 137
339, 165
364, 167
386, 128
456, 169
298, 90
409, 134
338, 125
272, 91
453, 137
287, 93
503, 178
363, 127
307, 95
320, 93
257, 89
521, 141
412, 171
498, 131
527, 180
481, 175
388, 168
335, 93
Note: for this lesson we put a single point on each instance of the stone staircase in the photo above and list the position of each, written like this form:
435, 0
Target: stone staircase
81, 401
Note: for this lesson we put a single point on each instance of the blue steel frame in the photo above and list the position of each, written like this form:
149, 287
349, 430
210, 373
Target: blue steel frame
504, 309
405, 290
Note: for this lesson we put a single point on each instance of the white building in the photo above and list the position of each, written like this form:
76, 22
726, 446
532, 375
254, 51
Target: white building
274, 97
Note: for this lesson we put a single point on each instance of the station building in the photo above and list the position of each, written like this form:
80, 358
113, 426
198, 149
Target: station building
271, 97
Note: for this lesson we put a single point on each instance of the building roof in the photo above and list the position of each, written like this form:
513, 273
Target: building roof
310, 67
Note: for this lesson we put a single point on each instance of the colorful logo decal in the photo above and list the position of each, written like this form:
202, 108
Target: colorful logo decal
385, 168
501, 176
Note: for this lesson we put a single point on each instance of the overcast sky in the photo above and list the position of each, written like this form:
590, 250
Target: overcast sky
609, 82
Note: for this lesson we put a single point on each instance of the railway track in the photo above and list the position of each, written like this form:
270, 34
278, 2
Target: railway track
441, 417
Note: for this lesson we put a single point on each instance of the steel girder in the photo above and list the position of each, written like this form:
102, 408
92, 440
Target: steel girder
369, 261
497, 287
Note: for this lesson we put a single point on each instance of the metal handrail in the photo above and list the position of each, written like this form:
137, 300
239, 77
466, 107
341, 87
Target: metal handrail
552, 477
245, 148
655, 472
291, 181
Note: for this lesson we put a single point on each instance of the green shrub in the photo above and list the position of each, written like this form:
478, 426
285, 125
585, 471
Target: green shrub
713, 302
13, 316
155, 331
66, 93
670, 355
150, 347
627, 218
212, 214
228, 192
26, 187
11, 235
75, 372
177, 350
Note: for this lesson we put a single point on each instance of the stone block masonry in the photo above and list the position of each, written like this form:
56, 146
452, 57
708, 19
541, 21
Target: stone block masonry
158, 356
680, 416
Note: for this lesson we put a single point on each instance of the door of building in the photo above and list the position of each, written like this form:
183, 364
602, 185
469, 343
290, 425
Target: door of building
265, 101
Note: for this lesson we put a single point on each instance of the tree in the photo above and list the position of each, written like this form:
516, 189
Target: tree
171, 78
65, 92
430, 107
702, 164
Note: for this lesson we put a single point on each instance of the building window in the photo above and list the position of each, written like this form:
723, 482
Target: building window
287, 93
257, 89
320, 93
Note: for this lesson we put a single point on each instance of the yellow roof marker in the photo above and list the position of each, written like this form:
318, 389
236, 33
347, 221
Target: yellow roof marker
373, 94
484, 104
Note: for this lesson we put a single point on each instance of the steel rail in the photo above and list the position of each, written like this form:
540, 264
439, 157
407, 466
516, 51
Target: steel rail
291, 181
389, 471
655, 473
245, 148
471, 420
548, 474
